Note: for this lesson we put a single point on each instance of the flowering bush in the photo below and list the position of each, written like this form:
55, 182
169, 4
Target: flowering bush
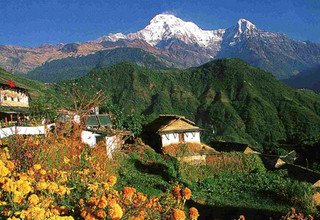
40, 193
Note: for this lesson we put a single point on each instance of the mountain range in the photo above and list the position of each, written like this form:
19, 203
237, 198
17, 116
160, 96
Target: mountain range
176, 43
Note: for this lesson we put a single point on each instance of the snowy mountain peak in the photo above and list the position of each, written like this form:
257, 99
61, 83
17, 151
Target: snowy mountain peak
245, 25
168, 26
164, 17
111, 37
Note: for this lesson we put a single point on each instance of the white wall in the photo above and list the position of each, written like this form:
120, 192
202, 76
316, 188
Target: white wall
6, 132
89, 138
111, 144
172, 138
193, 137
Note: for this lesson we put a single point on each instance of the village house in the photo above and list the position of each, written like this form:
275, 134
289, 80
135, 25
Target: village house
176, 136
14, 102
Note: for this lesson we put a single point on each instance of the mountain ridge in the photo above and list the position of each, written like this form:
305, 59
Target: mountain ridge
186, 44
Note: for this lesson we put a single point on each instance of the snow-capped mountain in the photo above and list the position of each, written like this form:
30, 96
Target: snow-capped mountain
167, 26
185, 44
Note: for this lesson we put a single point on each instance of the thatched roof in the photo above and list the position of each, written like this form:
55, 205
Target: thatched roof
171, 123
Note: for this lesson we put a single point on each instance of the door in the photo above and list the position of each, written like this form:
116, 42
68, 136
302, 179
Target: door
181, 137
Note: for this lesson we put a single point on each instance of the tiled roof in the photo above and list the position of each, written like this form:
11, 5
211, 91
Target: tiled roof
98, 120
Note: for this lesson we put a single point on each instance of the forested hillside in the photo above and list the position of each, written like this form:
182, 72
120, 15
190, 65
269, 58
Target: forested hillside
232, 100
74, 67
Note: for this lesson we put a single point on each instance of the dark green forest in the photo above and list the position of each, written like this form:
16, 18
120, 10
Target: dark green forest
230, 99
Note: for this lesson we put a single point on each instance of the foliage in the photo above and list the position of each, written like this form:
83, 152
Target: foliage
266, 191
132, 122
77, 190
43, 107
236, 101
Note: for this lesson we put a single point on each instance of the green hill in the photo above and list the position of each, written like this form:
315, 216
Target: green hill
74, 67
232, 100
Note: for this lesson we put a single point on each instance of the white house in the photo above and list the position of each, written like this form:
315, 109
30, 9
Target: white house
172, 130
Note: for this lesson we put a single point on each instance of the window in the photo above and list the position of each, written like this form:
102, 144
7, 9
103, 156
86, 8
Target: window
12, 99
5, 98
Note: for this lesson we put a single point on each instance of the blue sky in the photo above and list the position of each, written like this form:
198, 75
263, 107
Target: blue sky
35, 22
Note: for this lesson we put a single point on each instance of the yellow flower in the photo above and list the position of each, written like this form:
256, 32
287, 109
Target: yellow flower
33, 199
52, 186
4, 171
24, 186
178, 214
112, 180
115, 212
30, 172
43, 172
193, 213
42, 185
23, 176
9, 185
62, 190
37, 166
93, 187
17, 197
66, 160
86, 171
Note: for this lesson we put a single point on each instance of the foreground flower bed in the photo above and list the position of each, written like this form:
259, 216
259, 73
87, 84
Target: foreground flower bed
39, 193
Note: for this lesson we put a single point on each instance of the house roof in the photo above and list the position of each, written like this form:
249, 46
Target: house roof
170, 123
98, 120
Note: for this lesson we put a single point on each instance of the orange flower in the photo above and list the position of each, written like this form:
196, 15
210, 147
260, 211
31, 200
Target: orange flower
93, 201
193, 213
136, 218
81, 202
128, 192
186, 193
178, 214
103, 202
141, 198
176, 192
101, 214
10, 165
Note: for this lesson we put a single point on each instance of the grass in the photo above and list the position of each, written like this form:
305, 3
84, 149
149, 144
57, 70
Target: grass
232, 180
